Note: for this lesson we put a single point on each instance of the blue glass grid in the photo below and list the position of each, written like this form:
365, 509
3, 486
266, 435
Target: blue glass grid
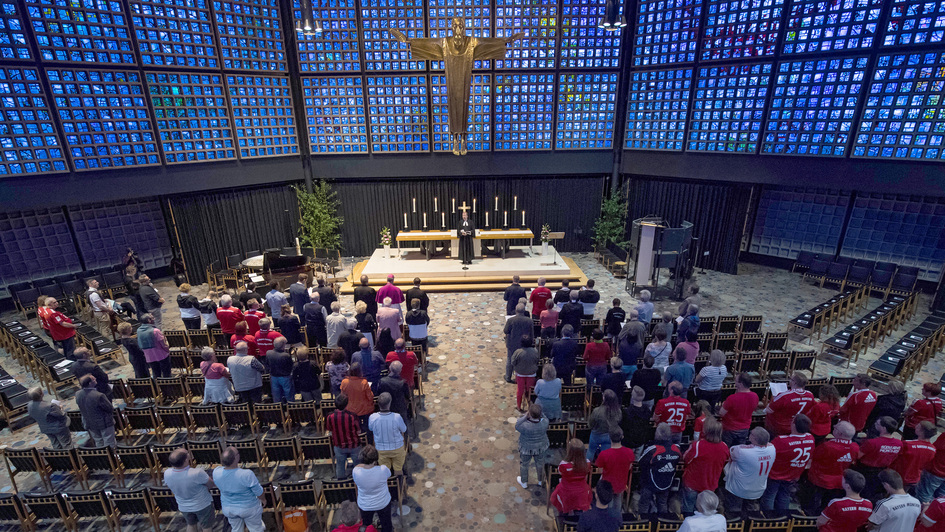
250, 34
81, 31
820, 26
904, 115
905, 230
36, 244
583, 44
334, 113
915, 22
667, 31
524, 111
790, 220
104, 117
728, 108
105, 230
262, 115
12, 35
736, 29
381, 51
539, 20
658, 109
399, 114
476, 13
192, 117
174, 33
336, 48
479, 132
29, 143
811, 112
586, 107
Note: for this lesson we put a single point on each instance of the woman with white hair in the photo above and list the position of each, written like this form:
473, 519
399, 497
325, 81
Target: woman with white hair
390, 317
217, 387
645, 308
710, 378
706, 518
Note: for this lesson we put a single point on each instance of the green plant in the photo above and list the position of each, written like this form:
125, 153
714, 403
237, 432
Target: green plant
320, 225
611, 226
385, 236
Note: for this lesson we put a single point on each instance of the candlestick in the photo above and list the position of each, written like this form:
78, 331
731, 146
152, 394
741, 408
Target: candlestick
523, 217
443, 219
496, 203
405, 220
474, 204
424, 220
515, 203
487, 218
415, 205
434, 204
454, 205
506, 217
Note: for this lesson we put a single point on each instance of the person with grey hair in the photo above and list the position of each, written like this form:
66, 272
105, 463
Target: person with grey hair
657, 471
217, 387
645, 308
389, 432
280, 372
688, 323
398, 389
246, 371
241, 495
350, 516
190, 486
747, 473
156, 351
50, 418
706, 518
632, 328
564, 352
390, 317
97, 413
512, 294
710, 378
350, 339
228, 315
83, 365
694, 299
372, 361
572, 312
335, 324
153, 302
516, 327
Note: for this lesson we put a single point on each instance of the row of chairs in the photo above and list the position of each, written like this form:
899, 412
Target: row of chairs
873, 328
913, 351
631, 523
66, 287
880, 277
819, 319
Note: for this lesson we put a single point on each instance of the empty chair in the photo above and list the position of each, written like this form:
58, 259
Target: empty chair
302, 412
903, 283
101, 459
239, 415
205, 453
12, 509
134, 503
880, 281
51, 506
803, 261
836, 274
268, 414
208, 417
27, 460
234, 261
317, 450
859, 275
135, 459
817, 271
91, 504
143, 418
174, 417
280, 450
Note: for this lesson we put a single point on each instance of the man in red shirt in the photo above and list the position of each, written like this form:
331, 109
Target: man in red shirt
828, 462
915, 455
933, 517
265, 337
925, 409
407, 358
538, 299
848, 513
792, 458
228, 315
856, 409
252, 316
932, 483
877, 454
705, 459
737, 410
782, 409
616, 463
674, 411
61, 328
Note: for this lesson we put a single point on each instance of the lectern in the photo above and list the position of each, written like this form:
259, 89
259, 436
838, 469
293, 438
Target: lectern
654, 245
645, 234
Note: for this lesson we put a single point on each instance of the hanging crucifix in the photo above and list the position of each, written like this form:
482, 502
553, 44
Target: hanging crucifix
458, 52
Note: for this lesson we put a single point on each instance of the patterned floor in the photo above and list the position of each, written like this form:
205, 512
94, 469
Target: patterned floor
466, 455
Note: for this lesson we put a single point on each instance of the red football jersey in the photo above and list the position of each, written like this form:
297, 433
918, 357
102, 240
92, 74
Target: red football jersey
697, 426
249, 339
821, 415
738, 410
915, 455
846, 515
935, 513
55, 319
857, 408
539, 297
782, 409
673, 410
704, 461
829, 460
616, 464
937, 466
880, 452
229, 317
793, 455
252, 318
923, 410
264, 341
43, 314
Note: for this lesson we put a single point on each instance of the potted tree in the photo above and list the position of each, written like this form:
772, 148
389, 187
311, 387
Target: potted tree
611, 226
319, 223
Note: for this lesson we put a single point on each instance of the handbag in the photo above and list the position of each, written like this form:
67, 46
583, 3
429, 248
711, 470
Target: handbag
295, 521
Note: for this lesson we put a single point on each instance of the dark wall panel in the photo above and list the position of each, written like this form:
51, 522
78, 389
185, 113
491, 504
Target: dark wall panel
105, 230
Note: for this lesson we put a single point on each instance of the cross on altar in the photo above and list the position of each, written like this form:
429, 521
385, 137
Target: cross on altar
464, 207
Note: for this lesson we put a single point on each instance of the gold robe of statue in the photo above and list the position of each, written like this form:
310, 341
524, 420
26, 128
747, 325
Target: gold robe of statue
458, 52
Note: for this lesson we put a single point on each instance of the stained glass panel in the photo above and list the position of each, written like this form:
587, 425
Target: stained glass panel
479, 132
174, 33
336, 48
381, 51
334, 114
736, 29
262, 114
476, 13
728, 108
524, 111
539, 20
583, 44
915, 22
250, 34
29, 143
658, 105
667, 31
81, 31
192, 117
821, 26
586, 108
399, 114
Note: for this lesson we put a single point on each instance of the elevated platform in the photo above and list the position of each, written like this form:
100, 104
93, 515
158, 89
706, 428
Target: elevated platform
442, 274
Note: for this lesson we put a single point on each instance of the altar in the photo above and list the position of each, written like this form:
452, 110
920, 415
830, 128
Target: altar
499, 239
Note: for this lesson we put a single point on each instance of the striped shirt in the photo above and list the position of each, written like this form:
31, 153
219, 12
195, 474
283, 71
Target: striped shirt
712, 378
388, 429
344, 427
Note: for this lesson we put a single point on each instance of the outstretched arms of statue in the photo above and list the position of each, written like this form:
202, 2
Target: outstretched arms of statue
515, 37
420, 49
399, 36
495, 47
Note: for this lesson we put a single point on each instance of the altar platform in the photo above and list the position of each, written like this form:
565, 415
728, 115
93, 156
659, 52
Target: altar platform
443, 274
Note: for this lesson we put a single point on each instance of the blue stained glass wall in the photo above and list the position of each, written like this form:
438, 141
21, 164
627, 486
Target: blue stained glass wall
334, 114
381, 51
35, 244
476, 13
29, 143
819, 26
105, 118
524, 111
666, 31
658, 109
585, 114
397, 109
250, 34
583, 44
728, 108
789, 220
813, 106
12, 34
87, 31
915, 22
904, 115
192, 117
174, 33
336, 48
539, 20
262, 115
737, 29
479, 133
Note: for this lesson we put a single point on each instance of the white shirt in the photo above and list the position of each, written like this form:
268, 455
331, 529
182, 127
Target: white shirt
896, 513
704, 523
747, 473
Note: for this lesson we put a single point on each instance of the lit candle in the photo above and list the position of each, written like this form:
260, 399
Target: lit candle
434, 204
496, 203
405, 219
424, 220
523, 218
443, 219
506, 217
474, 204
515, 203
454, 205
415, 205
487, 218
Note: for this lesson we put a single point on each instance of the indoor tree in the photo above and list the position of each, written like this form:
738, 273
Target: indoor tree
319, 225
611, 226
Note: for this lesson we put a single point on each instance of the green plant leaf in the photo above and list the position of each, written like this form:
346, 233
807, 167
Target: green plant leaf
320, 225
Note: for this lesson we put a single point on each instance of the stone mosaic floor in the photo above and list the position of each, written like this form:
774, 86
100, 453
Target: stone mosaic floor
465, 457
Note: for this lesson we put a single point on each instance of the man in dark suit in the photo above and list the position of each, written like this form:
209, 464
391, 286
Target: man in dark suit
564, 355
298, 294
316, 324
516, 327
246, 295
416, 293
572, 312
96, 412
368, 295
326, 296
466, 231
83, 365
513, 293
50, 418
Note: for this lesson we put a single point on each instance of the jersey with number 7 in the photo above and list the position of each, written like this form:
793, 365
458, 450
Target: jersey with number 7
782, 409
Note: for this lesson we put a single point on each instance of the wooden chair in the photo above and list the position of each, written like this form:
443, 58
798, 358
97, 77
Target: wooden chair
205, 453
143, 418
317, 450
195, 386
92, 504
302, 412
240, 415
664, 524
759, 524
803, 360
572, 399
280, 450
101, 459
163, 500
208, 417
50, 506
144, 389
175, 417
66, 461
135, 503
774, 342
558, 435
297, 495
25, 461
162, 454
334, 492
250, 452
726, 325
268, 414
172, 388
137, 458
12, 509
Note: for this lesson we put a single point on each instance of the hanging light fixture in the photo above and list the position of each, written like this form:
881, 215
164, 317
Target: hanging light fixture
613, 20
308, 25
